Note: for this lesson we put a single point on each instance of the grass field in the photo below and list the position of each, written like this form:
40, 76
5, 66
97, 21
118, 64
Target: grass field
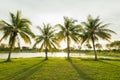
60, 69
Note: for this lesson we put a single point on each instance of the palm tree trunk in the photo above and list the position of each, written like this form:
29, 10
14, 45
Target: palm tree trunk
94, 49
10, 50
46, 54
11, 46
68, 48
9, 55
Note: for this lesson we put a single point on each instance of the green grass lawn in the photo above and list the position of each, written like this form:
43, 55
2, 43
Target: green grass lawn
59, 69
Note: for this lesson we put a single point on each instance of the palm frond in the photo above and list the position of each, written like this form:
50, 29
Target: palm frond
25, 37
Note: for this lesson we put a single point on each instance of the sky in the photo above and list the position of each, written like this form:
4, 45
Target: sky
52, 11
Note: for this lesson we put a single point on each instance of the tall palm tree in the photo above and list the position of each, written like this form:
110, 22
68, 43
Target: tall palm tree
69, 31
47, 39
19, 27
95, 29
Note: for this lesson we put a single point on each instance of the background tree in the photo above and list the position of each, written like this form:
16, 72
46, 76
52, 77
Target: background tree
115, 45
47, 39
68, 32
98, 46
93, 30
19, 27
88, 46
108, 46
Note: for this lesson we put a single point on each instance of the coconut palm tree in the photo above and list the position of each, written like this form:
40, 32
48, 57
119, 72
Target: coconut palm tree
69, 31
47, 39
95, 29
19, 27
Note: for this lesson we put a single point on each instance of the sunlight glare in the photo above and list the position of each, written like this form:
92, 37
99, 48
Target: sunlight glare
63, 45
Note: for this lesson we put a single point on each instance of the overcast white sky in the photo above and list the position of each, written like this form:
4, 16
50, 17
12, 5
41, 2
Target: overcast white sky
52, 11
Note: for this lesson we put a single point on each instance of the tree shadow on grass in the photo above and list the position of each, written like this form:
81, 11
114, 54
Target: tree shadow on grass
105, 62
4, 61
110, 59
79, 71
25, 72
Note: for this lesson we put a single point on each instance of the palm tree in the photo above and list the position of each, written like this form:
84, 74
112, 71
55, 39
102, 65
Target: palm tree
19, 27
94, 29
47, 39
69, 31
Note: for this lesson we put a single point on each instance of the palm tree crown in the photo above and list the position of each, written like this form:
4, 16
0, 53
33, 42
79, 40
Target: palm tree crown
18, 27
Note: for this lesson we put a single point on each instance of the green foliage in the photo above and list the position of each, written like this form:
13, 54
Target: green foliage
88, 46
59, 69
18, 27
108, 46
115, 45
98, 46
